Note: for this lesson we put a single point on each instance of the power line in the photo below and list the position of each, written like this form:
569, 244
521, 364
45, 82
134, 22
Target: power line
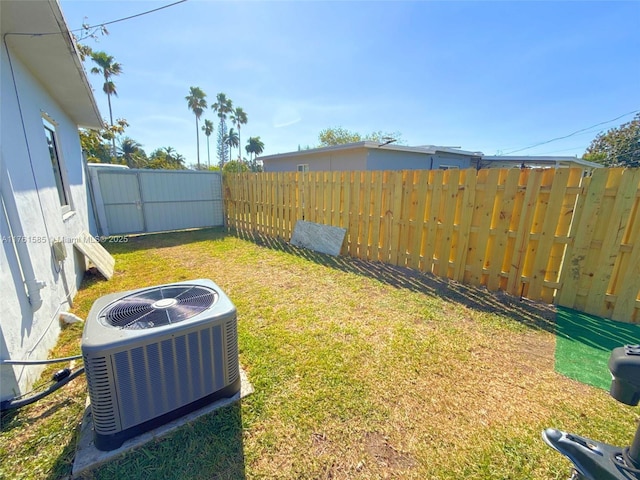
87, 28
128, 18
571, 134
550, 152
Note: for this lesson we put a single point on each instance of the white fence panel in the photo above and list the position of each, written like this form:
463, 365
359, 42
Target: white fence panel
145, 201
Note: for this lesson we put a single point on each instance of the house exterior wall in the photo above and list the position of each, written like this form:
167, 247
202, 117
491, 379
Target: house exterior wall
399, 160
358, 159
348, 160
451, 161
31, 210
396, 160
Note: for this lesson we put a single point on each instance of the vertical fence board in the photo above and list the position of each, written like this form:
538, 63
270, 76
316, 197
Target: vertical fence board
449, 212
612, 240
407, 203
355, 220
547, 232
367, 214
419, 220
482, 221
433, 220
464, 225
502, 221
523, 233
397, 221
375, 217
628, 287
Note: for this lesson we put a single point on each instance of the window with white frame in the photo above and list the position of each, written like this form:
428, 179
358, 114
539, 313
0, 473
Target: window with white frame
303, 167
57, 165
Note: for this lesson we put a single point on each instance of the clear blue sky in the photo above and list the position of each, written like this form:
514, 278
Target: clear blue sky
488, 76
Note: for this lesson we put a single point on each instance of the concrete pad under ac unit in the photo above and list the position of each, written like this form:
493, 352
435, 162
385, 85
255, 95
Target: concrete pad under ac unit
88, 457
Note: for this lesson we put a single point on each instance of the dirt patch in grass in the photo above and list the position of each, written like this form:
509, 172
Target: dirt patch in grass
378, 447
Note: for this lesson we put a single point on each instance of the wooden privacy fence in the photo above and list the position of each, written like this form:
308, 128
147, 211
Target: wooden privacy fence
550, 235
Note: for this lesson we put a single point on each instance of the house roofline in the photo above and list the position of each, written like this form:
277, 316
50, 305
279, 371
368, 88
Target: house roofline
37, 34
368, 144
75, 55
543, 159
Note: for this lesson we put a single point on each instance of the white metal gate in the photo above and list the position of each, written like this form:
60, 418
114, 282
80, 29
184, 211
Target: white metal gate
144, 201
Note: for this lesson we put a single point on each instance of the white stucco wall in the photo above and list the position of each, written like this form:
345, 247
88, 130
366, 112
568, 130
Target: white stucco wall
29, 186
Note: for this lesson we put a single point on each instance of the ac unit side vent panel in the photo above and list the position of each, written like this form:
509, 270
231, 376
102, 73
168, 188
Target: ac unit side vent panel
155, 379
232, 351
102, 395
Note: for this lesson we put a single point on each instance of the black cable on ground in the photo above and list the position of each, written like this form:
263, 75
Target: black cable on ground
41, 362
14, 404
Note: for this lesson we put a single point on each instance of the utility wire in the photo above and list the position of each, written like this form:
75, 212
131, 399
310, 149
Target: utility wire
87, 28
129, 17
571, 134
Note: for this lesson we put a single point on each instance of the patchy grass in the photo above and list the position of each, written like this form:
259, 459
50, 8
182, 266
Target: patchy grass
360, 370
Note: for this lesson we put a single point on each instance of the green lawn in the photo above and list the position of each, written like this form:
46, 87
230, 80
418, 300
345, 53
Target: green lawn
360, 370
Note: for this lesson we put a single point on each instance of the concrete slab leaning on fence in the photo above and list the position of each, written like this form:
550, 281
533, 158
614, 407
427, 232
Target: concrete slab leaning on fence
318, 237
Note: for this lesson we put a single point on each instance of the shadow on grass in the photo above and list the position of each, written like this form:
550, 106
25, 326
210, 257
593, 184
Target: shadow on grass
63, 464
596, 332
208, 448
532, 314
10, 419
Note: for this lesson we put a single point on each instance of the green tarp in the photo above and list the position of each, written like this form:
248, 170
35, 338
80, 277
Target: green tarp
584, 343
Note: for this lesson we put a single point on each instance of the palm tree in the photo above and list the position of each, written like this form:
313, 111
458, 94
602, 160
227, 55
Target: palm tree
222, 107
255, 146
197, 104
238, 117
172, 157
131, 152
168, 151
108, 68
178, 161
207, 128
231, 139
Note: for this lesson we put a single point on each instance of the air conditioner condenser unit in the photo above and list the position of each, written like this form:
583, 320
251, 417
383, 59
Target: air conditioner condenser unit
155, 354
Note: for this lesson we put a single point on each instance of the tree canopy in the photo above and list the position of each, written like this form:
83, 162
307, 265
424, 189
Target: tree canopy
619, 146
339, 136
130, 152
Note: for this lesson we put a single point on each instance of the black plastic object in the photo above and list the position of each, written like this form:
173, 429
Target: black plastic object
624, 364
593, 460
61, 374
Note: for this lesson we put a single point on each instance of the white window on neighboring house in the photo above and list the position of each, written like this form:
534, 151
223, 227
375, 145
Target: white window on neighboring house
448, 167
57, 164
303, 167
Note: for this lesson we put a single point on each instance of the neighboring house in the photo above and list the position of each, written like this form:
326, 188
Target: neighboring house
369, 155
45, 97
373, 156
504, 161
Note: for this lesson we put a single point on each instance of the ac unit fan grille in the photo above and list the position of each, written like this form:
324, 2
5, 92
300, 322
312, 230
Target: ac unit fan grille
158, 306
